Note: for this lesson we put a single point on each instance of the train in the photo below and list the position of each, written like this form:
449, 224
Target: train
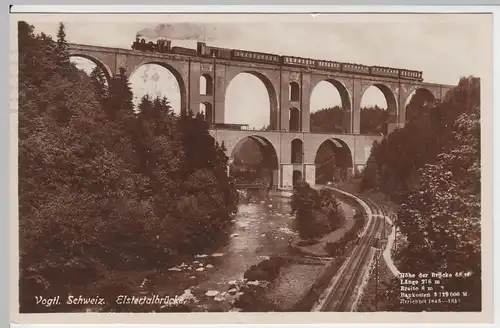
203, 50
162, 46
229, 126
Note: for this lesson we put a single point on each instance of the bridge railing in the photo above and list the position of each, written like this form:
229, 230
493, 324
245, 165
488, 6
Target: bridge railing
229, 128
251, 186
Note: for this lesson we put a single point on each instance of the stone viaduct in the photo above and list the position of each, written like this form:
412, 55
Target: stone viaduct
288, 144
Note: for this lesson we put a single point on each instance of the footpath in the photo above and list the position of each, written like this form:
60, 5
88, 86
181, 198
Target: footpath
386, 254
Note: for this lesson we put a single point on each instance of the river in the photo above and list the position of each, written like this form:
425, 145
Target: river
261, 228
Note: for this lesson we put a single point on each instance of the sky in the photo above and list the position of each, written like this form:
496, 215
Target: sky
444, 46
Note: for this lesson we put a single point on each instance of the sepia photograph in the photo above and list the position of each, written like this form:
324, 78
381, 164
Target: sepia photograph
237, 162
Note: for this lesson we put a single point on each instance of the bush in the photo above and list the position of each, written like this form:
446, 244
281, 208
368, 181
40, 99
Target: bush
341, 246
267, 270
254, 298
316, 213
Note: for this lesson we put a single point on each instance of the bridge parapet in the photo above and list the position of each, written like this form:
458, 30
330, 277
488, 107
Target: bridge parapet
278, 74
272, 60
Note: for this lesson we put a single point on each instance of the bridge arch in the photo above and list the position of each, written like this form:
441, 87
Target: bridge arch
333, 161
270, 87
390, 98
434, 90
102, 66
345, 99
269, 164
420, 96
177, 75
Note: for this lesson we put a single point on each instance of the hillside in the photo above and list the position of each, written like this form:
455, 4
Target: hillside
432, 168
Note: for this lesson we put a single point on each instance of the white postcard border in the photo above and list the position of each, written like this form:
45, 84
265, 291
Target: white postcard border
486, 137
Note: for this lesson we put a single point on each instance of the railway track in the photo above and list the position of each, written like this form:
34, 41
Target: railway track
340, 293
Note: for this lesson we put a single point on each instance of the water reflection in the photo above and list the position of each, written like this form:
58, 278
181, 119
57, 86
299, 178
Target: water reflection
262, 227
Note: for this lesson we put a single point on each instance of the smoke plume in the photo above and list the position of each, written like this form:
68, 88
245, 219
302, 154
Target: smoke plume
186, 31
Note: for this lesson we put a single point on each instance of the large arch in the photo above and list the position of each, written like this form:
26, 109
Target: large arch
103, 67
333, 161
344, 119
416, 100
175, 73
245, 170
392, 106
271, 91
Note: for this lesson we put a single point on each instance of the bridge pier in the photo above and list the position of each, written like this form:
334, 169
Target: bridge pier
276, 179
391, 126
303, 171
286, 176
277, 150
310, 173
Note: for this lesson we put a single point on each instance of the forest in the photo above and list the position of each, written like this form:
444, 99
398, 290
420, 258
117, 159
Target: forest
329, 120
104, 188
432, 168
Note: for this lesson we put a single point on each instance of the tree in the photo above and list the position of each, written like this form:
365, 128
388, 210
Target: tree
302, 203
328, 120
421, 100
204, 153
98, 79
442, 216
436, 179
120, 106
119, 110
373, 120
371, 175
62, 50
158, 152
90, 208
331, 207
316, 213
76, 194
403, 152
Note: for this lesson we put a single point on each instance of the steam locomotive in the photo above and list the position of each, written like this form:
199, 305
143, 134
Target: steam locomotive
162, 46
202, 50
